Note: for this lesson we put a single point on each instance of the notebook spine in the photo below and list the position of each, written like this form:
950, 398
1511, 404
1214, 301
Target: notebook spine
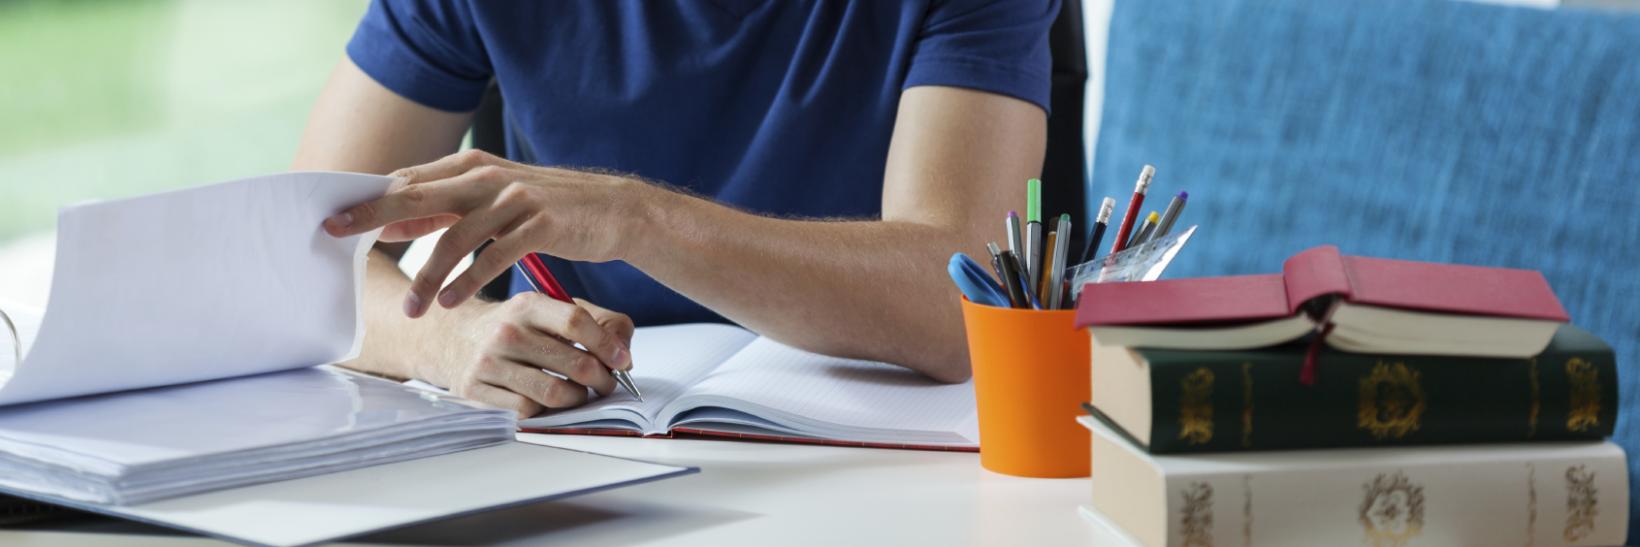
1234, 401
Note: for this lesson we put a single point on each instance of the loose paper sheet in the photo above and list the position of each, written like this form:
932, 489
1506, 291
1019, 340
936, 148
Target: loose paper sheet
225, 280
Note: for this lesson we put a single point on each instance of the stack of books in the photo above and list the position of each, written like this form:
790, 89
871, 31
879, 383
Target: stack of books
1351, 400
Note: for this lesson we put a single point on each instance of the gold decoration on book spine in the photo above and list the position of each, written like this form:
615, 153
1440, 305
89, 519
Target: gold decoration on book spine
1531, 504
1392, 512
1196, 406
1537, 399
1247, 405
1582, 503
1585, 397
1196, 515
1247, 510
1390, 401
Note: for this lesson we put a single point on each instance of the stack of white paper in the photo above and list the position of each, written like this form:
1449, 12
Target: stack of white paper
136, 446
176, 352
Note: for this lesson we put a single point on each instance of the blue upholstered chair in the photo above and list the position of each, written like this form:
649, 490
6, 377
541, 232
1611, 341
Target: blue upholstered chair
1425, 129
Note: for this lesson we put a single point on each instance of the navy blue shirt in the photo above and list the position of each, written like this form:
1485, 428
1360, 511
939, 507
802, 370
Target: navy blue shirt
779, 107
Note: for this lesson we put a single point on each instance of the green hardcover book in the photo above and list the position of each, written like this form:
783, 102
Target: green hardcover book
1173, 401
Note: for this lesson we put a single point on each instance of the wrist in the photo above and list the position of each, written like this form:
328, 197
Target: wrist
441, 340
649, 220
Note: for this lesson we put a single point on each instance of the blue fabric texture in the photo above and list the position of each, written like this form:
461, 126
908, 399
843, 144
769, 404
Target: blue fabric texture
1427, 130
776, 107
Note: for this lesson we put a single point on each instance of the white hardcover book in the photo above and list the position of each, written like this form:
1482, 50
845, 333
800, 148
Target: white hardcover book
1504, 494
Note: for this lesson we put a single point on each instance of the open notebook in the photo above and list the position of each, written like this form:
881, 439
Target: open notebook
722, 380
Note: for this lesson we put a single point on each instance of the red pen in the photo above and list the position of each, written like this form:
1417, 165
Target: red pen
540, 278
1133, 207
536, 272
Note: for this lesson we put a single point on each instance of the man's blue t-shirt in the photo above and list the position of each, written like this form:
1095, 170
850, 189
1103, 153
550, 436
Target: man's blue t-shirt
779, 107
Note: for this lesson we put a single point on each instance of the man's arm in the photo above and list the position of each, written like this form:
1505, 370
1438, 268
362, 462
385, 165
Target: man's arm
867, 289
358, 125
487, 351
872, 289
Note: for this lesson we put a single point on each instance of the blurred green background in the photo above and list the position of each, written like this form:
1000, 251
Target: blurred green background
112, 98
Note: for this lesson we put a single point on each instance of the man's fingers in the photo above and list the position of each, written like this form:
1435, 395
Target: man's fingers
446, 197
615, 322
527, 380
456, 243
501, 398
448, 166
576, 324
411, 230
495, 260
618, 324
538, 350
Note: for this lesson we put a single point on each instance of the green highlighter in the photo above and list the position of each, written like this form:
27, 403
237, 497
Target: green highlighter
1033, 232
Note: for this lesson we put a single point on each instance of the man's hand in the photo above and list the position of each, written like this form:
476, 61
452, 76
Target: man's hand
486, 351
576, 215
500, 353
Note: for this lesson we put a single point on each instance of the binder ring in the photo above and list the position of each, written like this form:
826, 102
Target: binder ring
16, 341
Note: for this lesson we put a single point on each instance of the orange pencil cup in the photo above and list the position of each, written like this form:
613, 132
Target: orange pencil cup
1030, 379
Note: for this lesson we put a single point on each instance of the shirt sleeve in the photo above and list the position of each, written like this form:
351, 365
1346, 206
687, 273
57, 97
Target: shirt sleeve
428, 51
1000, 47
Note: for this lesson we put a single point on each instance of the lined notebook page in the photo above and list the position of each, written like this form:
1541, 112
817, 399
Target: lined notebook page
666, 360
840, 394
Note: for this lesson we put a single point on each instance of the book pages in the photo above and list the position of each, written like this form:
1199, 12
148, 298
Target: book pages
830, 397
666, 361
225, 280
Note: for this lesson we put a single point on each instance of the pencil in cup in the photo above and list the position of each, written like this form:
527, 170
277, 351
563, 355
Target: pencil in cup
1134, 205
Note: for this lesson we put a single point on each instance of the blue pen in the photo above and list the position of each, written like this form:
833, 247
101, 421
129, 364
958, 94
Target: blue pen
974, 282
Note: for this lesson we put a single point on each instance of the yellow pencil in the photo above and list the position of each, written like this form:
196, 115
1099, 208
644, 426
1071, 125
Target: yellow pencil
1048, 265
1145, 230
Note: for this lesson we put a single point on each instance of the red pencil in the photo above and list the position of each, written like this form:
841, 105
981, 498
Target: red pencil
1132, 214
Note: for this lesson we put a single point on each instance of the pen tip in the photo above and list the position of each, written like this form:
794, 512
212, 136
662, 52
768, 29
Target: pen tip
1013, 214
1153, 216
1184, 195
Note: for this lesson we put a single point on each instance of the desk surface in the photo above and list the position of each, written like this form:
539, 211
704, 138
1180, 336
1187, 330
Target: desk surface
746, 494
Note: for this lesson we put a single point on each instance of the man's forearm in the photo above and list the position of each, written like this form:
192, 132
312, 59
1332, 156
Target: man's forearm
395, 344
864, 289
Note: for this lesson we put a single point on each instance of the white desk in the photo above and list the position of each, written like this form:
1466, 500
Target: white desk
746, 494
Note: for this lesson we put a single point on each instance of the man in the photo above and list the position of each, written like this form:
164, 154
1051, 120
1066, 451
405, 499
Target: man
803, 169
